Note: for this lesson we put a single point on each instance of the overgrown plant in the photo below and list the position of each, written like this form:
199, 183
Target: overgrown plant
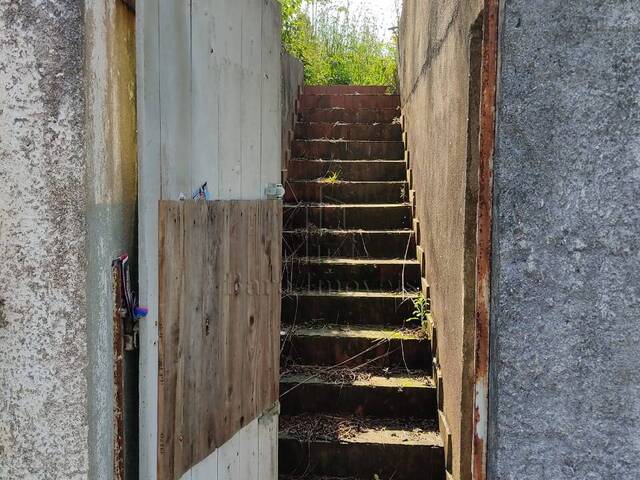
420, 310
331, 177
340, 46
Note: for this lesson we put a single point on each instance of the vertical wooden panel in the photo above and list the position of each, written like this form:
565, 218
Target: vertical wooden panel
219, 330
271, 133
268, 446
249, 101
229, 27
205, 80
175, 96
171, 231
149, 173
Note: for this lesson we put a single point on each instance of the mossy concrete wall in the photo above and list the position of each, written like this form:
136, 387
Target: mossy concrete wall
565, 391
67, 207
438, 99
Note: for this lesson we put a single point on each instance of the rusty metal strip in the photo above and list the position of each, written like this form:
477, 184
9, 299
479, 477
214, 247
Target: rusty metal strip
118, 377
483, 254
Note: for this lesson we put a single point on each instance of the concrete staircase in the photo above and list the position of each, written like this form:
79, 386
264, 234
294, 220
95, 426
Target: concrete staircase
357, 395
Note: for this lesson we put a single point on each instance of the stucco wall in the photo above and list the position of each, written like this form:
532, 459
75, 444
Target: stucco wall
435, 91
565, 392
43, 307
65, 211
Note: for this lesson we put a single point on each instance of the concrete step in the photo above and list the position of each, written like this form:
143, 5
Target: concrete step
351, 274
347, 308
319, 191
360, 447
370, 115
354, 102
347, 149
371, 393
344, 90
320, 242
349, 131
372, 216
353, 346
360, 170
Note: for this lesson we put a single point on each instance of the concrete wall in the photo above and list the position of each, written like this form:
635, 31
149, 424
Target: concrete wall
565, 392
292, 80
438, 99
209, 86
66, 209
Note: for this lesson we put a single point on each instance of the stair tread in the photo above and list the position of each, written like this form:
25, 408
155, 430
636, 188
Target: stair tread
352, 429
353, 261
352, 294
343, 140
303, 204
311, 374
369, 332
322, 181
350, 162
348, 230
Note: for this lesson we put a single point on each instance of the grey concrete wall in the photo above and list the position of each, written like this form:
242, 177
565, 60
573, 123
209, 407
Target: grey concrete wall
43, 307
61, 223
437, 102
292, 80
565, 391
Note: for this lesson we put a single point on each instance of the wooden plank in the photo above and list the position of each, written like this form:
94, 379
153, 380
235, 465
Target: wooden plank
249, 101
205, 78
248, 439
175, 97
228, 24
171, 273
219, 324
271, 122
148, 115
268, 446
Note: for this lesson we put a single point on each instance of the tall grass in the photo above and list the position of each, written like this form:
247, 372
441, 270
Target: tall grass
341, 46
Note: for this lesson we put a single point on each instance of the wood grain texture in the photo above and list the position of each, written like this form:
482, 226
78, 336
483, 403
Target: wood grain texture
219, 281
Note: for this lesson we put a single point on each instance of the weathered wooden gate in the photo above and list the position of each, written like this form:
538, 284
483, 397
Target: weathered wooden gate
219, 316
208, 111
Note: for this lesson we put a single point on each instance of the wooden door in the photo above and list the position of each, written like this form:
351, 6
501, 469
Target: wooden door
219, 324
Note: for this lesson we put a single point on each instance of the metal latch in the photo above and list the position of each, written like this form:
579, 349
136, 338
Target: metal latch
274, 190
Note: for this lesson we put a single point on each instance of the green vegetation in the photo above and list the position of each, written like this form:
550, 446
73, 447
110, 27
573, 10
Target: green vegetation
420, 310
331, 177
340, 47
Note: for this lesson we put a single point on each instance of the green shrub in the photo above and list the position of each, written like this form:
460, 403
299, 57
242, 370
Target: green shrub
340, 48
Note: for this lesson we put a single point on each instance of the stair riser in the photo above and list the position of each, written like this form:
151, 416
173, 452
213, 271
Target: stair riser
354, 150
346, 310
388, 132
330, 350
353, 102
400, 462
384, 402
351, 278
319, 192
386, 115
356, 244
361, 171
389, 217
344, 90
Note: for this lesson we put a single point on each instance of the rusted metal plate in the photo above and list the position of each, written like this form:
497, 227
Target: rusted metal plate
483, 261
118, 377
